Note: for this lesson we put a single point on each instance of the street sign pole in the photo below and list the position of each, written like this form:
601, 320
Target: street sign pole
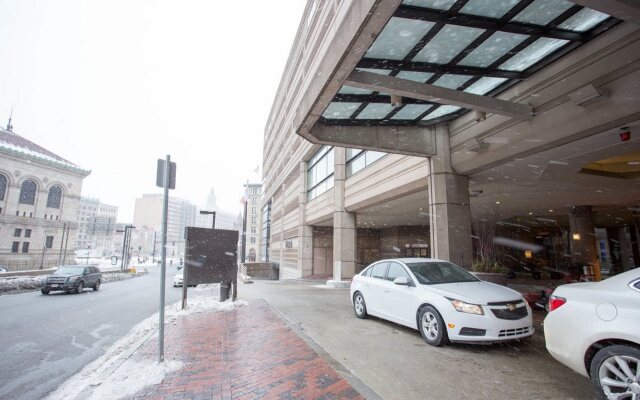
163, 268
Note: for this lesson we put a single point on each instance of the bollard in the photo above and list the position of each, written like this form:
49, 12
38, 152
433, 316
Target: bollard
224, 291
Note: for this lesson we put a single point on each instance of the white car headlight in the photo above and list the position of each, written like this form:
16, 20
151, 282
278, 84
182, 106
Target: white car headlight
461, 306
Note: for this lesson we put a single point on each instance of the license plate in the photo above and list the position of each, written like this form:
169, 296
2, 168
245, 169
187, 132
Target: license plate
54, 285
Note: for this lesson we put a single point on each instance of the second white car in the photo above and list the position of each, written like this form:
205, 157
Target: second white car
441, 300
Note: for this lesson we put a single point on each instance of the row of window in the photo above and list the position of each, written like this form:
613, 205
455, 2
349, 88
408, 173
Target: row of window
266, 231
320, 167
320, 170
15, 246
358, 160
28, 191
18, 232
24, 214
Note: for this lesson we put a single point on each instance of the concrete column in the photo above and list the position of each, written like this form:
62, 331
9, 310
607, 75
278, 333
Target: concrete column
583, 247
449, 210
344, 223
305, 232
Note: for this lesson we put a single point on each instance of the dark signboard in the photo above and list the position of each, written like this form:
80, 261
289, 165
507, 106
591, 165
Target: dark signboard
211, 256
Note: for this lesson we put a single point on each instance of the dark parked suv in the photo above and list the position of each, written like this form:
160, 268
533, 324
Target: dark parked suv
73, 279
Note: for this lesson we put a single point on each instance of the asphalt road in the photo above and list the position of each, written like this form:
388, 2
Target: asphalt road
44, 340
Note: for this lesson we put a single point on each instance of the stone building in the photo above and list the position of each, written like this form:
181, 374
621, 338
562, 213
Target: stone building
252, 222
39, 201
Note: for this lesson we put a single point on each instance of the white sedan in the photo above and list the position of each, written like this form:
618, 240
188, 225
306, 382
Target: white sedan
177, 279
594, 329
443, 301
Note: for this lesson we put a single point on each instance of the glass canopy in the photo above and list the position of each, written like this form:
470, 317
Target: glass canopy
476, 46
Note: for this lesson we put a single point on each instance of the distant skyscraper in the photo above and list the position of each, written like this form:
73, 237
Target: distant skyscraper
148, 216
224, 219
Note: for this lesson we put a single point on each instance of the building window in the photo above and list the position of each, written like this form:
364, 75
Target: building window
3, 186
28, 192
17, 232
27, 233
358, 160
253, 220
254, 210
15, 246
253, 240
49, 242
266, 231
25, 247
253, 229
55, 196
320, 172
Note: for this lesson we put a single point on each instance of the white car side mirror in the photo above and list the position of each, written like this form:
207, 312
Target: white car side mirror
401, 280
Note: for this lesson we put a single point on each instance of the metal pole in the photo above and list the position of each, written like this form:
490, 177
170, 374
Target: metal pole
163, 268
64, 228
213, 222
66, 242
153, 255
124, 246
44, 249
244, 231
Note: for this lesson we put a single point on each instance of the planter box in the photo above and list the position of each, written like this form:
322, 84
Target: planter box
266, 271
500, 279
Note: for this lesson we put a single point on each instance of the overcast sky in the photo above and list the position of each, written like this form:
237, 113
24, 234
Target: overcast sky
114, 85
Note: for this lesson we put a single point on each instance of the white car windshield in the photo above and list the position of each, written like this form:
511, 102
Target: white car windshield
429, 273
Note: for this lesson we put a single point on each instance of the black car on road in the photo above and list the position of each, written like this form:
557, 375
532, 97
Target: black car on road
73, 279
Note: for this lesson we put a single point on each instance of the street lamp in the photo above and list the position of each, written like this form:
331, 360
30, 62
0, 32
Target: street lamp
213, 213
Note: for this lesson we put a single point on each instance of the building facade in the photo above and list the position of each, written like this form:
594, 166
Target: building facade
252, 222
148, 217
394, 134
96, 227
39, 203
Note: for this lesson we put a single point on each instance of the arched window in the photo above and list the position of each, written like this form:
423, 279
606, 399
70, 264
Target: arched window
28, 192
3, 186
55, 195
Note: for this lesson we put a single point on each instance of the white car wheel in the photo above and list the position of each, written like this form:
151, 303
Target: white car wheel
359, 305
615, 370
432, 327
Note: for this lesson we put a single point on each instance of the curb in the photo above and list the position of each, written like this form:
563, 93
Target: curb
122, 358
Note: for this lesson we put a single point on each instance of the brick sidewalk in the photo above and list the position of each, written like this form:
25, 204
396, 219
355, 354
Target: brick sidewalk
248, 353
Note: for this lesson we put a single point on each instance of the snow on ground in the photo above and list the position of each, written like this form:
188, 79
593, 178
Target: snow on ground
19, 284
114, 375
133, 376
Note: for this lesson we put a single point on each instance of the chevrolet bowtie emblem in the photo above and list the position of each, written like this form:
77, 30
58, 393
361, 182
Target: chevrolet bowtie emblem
511, 307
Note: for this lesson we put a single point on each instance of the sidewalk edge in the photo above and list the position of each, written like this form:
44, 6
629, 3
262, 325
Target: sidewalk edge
124, 356
353, 380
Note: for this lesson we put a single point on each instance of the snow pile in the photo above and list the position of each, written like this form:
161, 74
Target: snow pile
115, 375
133, 376
203, 298
21, 283
26, 283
